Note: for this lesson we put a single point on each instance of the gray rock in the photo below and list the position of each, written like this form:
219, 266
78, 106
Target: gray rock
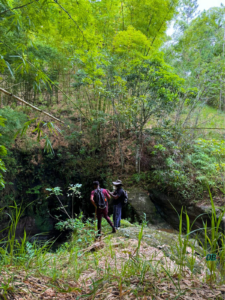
171, 205
141, 202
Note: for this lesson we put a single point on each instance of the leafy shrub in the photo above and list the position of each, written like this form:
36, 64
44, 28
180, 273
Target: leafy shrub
71, 224
190, 169
14, 122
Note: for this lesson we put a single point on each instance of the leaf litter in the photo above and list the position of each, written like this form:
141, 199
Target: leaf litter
109, 278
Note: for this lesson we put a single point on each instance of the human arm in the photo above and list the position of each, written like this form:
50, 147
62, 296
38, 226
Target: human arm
112, 195
106, 193
92, 200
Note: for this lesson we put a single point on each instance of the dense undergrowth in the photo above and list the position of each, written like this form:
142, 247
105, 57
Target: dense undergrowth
173, 160
187, 168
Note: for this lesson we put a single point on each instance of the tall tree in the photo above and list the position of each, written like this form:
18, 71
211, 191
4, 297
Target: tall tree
100, 42
187, 11
198, 56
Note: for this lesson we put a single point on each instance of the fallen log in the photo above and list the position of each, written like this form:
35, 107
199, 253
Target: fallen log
28, 104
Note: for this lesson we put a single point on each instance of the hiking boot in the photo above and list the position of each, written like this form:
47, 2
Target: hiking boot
98, 237
114, 230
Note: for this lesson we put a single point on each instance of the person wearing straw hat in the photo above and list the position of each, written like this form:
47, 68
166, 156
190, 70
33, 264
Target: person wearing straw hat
117, 196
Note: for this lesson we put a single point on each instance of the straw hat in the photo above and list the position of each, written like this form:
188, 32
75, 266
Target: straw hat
118, 182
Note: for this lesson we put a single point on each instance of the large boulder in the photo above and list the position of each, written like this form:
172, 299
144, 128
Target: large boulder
171, 207
141, 202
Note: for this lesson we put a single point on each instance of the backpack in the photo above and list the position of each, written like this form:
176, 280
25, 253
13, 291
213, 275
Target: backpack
100, 199
125, 198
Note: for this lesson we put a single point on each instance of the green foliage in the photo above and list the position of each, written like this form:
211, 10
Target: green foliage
71, 224
34, 190
154, 89
131, 42
159, 147
73, 258
198, 53
19, 252
3, 152
77, 35
115, 67
214, 243
208, 159
2, 169
39, 132
188, 167
13, 122
73, 191
139, 177
55, 191
83, 232
187, 11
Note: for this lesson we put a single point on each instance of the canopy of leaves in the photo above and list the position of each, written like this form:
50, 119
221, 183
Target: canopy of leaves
51, 31
198, 54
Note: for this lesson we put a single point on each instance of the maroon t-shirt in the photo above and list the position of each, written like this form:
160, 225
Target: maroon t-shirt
105, 193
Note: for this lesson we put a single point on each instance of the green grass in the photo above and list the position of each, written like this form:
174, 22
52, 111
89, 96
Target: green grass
121, 266
215, 118
209, 118
212, 118
124, 223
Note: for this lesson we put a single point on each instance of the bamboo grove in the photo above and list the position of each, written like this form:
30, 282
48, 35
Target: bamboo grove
100, 60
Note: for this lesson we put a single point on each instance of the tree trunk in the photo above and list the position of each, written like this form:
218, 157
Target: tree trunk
120, 147
137, 156
73, 205
223, 100
117, 123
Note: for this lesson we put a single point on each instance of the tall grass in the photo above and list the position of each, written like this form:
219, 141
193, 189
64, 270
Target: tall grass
212, 241
70, 262
15, 251
214, 244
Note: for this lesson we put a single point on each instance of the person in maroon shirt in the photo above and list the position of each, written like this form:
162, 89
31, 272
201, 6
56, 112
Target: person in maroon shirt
101, 212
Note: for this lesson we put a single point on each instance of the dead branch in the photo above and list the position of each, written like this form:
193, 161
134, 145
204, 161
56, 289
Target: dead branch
17, 7
28, 104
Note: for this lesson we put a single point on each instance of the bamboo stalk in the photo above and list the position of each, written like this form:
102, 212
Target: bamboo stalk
28, 104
